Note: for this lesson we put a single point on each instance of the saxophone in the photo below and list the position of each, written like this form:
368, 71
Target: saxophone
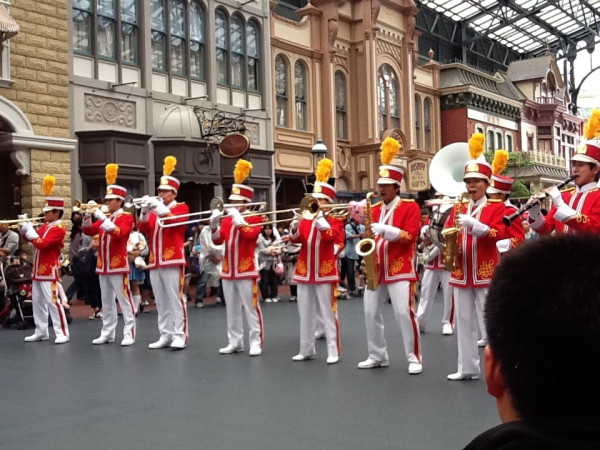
366, 248
451, 238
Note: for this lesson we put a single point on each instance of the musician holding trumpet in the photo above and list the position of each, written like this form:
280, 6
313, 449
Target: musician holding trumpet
577, 209
48, 242
166, 261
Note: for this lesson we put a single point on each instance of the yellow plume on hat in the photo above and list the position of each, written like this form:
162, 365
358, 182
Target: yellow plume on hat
169, 166
48, 185
476, 145
389, 149
242, 170
111, 173
500, 161
324, 170
592, 127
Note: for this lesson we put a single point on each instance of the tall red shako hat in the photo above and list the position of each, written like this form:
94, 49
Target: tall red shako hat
589, 150
51, 202
113, 190
389, 173
240, 191
500, 184
167, 182
477, 166
322, 188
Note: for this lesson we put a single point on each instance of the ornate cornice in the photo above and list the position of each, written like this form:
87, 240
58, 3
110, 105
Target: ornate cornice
480, 102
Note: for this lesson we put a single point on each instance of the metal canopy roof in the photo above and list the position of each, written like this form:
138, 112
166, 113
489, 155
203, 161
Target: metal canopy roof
529, 27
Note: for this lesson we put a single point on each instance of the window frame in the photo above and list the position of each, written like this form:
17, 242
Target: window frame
286, 95
428, 122
418, 107
301, 103
341, 111
387, 120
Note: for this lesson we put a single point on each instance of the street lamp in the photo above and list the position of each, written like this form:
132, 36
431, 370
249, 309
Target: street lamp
319, 151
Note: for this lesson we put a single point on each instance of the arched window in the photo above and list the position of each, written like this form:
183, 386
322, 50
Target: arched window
418, 120
388, 93
237, 53
197, 32
222, 44
253, 55
107, 29
178, 41
281, 90
509, 142
427, 119
490, 140
499, 140
340, 106
300, 93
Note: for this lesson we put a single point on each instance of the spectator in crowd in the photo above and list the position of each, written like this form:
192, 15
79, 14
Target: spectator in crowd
529, 233
85, 269
9, 241
354, 233
540, 405
76, 238
137, 250
290, 259
210, 260
269, 253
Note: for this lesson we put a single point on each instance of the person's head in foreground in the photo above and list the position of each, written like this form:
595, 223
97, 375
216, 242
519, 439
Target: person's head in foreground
542, 363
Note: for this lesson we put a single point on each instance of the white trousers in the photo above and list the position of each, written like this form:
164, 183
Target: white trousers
466, 328
116, 287
429, 284
243, 294
319, 299
400, 293
167, 285
46, 301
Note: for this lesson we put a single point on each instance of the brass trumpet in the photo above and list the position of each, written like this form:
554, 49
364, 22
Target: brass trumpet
88, 208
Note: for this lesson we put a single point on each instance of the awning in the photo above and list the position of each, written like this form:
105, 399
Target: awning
8, 26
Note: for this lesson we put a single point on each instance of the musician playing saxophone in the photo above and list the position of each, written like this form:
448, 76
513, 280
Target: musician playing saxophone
481, 226
576, 209
395, 224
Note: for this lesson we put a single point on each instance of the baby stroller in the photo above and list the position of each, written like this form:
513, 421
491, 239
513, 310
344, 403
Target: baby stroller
18, 291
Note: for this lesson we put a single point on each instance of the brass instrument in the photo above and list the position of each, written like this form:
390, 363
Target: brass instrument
137, 203
451, 238
366, 248
88, 208
310, 207
215, 203
15, 222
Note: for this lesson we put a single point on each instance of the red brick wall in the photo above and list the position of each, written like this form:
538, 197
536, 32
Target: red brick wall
454, 126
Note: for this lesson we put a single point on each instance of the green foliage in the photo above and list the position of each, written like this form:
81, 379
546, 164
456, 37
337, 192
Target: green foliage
519, 190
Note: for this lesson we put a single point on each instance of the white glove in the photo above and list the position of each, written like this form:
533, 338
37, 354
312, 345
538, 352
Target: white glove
387, 232
215, 218
27, 230
107, 225
236, 217
466, 221
161, 209
153, 202
564, 212
473, 226
24, 227
98, 214
336, 249
557, 199
424, 232
536, 210
322, 224
503, 245
294, 226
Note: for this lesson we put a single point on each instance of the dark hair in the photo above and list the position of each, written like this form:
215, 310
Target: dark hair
268, 227
543, 323
593, 166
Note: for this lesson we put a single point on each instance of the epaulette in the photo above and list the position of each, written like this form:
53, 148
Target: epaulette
60, 225
570, 189
376, 204
593, 189
126, 212
407, 200
181, 203
495, 200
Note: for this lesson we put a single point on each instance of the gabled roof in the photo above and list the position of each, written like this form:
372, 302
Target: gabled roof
456, 74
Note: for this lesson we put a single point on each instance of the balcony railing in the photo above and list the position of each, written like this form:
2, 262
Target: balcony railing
538, 158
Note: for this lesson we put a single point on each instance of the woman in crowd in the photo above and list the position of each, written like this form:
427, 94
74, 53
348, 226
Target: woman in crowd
268, 257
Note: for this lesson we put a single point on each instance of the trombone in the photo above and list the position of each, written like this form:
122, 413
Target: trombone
215, 203
310, 208
14, 223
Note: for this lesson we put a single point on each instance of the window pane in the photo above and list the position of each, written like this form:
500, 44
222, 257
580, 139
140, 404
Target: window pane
340, 122
107, 8
177, 55
237, 35
82, 31
418, 120
253, 79
83, 4
222, 67
129, 43
252, 40
158, 51
394, 98
237, 70
197, 23
197, 60
300, 81
490, 140
159, 22
106, 37
300, 115
129, 11
340, 91
280, 76
282, 108
221, 30
178, 18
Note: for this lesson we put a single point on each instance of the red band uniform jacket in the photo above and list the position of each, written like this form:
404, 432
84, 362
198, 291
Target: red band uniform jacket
239, 261
165, 244
478, 256
396, 260
586, 203
317, 260
112, 252
515, 231
47, 251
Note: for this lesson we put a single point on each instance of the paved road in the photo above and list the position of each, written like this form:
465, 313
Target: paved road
79, 396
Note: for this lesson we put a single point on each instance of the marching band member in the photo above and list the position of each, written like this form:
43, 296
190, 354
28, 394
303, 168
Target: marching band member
481, 227
500, 187
112, 265
166, 261
396, 225
576, 209
48, 243
435, 273
240, 274
316, 271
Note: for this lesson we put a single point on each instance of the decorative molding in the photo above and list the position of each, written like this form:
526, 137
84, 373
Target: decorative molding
343, 158
395, 51
253, 133
203, 161
110, 111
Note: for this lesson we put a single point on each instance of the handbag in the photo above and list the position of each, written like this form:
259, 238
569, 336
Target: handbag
279, 268
195, 265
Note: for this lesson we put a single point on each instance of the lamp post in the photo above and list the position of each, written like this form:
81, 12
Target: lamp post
319, 151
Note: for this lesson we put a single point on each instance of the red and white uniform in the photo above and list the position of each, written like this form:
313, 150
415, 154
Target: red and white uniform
585, 201
239, 275
514, 235
166, 262
478, 258
112, 266
396, 276
316, 276
45, 275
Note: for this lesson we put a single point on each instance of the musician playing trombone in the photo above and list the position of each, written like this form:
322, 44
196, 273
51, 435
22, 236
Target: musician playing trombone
166, 261
239, 273
317, 270
576, 209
